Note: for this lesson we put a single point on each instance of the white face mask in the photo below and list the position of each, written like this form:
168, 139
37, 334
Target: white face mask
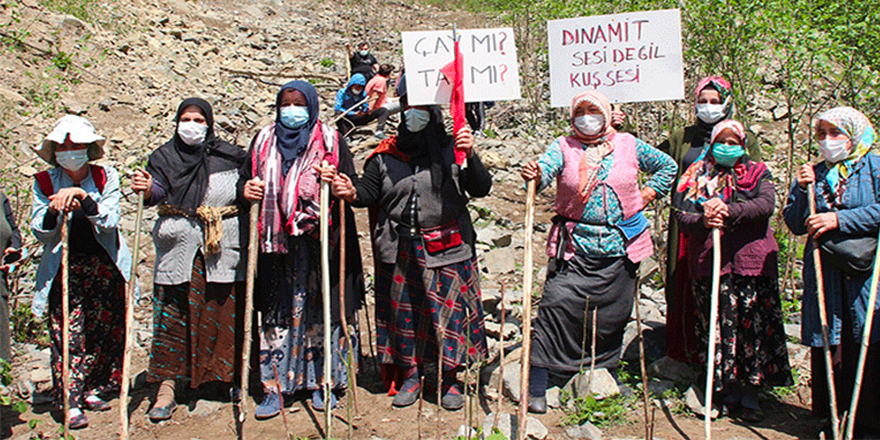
416, 119
72, 160
590, 125
710, 113
191, 132
364, 53
834, 150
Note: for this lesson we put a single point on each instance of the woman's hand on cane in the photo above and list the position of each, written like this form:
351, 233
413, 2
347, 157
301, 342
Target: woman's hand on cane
805, 176
532, 171
818, 224
253, 189
142, 181
66, 200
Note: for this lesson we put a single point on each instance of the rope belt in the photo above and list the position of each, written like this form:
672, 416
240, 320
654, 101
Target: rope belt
211, 216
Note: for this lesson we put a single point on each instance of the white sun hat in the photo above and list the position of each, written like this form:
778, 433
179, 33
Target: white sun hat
80, 130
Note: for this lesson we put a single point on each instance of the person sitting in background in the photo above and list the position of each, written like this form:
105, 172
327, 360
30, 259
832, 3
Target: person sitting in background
377, 91
351, 102
362, 61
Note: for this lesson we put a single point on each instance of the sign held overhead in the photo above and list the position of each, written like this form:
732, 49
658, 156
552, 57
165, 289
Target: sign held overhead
491, 72
632, 57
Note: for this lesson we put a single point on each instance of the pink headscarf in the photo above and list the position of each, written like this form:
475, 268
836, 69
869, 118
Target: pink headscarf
600, 101
729, 124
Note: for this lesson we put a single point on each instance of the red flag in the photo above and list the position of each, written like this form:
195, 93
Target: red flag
455, 72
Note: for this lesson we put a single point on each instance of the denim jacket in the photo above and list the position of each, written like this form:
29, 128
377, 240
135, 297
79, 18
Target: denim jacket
106, 230
859, 214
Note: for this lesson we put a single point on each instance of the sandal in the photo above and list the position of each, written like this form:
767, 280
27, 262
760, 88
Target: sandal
79, 421
95, 403
161, 413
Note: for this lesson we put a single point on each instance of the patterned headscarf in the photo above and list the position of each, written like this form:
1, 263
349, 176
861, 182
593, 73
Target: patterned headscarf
598, 145
704, 179
856, 126
724, 89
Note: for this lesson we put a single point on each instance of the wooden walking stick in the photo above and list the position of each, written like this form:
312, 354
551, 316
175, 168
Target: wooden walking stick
649, 419
500, 362
350, 366
713, 328
527, 310
253, 252
863, 351
65, 320
823, 320
325, 291
129, 321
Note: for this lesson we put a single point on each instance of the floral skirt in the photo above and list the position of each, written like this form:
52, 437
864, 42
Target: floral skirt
97, 328
420, 309
194, 330
750, 344
292, 322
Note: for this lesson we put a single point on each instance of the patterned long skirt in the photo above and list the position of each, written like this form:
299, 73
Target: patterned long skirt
420, 309
751, 339
97, 328
194, 330
292, 322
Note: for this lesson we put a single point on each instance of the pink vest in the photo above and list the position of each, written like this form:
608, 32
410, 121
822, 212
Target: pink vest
623, 181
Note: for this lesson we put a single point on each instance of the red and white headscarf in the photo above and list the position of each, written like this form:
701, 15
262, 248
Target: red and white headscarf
598, 146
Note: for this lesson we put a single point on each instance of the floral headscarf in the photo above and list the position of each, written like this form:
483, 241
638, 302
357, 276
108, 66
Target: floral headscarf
724, 89
704, 180
856, 126
598, 145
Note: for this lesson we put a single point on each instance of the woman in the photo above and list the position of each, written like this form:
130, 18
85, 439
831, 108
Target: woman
10, 242
725, 189
280, 173
99, 264
599, 236
427, 285
199, 238
713, 102
847, 209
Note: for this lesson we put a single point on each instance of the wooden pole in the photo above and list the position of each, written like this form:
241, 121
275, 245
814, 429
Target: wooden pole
863, 351
65, 320
713, 328
500, 362
649, 422
350, 366
527, 311
325, 290
129, 322
823, 320
250, 281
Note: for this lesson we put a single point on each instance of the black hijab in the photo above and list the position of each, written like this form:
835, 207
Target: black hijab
183, 169
431, 141
292, 142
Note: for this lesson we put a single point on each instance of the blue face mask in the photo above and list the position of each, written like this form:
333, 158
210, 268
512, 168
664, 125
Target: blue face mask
294, 116
727, 155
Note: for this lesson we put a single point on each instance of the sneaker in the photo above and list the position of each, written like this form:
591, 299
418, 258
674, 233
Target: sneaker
269, 407
537, 405
408, 394
318, 400
95, 403
452, 399
79, 421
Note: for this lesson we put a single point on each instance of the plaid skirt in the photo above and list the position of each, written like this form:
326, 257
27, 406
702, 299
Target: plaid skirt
420, 309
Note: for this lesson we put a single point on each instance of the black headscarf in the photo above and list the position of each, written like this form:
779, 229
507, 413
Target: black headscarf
292, 142
183, 169
431, 141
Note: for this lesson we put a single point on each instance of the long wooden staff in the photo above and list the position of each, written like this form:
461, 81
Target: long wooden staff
527, 310
325, 292
65, 321
823, 320
352, 371
250, 281
713, 328
129, 321
863, 352
649, 418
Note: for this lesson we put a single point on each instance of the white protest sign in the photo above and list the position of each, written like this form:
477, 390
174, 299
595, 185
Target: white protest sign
632, 57
490, 67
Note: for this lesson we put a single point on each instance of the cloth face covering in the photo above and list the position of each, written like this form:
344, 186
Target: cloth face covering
294, 116
711, 113
191, 132
727, 155
833, 150
589, 125
72, 160
416, 119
